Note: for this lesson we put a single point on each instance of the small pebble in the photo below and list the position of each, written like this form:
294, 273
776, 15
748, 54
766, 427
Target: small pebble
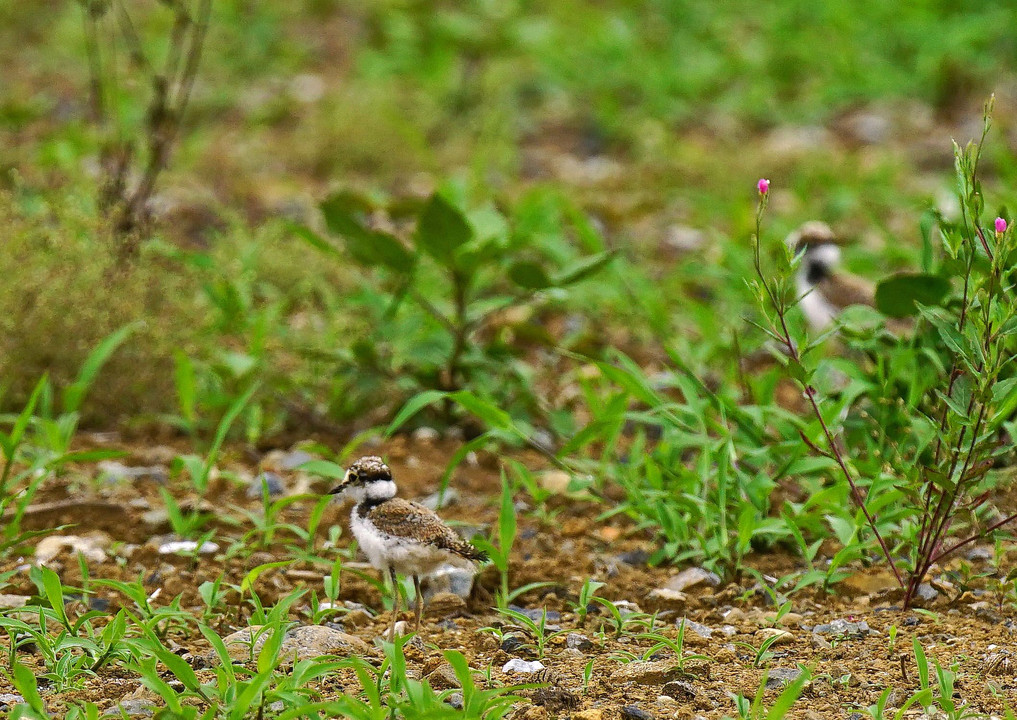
691, 577
577, 641
632, 712
426, 435
513, 643
9, 700
268, 479
779, 677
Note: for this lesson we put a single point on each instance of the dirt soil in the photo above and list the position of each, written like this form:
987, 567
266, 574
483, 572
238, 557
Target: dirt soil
969, 627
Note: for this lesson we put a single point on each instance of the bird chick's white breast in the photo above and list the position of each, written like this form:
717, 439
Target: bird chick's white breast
406, 555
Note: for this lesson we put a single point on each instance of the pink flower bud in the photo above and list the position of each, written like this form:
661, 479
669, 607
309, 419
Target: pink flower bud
763, 185
1000, 226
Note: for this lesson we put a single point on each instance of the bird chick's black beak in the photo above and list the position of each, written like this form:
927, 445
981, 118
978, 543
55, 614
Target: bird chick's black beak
337, 490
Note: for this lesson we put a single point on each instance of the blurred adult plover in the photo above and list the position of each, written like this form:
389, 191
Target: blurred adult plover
824, 290
397, 535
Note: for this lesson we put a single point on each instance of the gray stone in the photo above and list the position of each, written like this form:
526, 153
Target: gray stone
448, 578
844, 628
691, 577
455, 700
927, 593
634, 557
443, 677
439, 499
272, 481
13, 601
293, 460
667, 599
9, 700
446, 604
118, 472
647, 673
699, 629
133, 707
633, 712
981, 553
305, 642
512, 643
679, 690
577, 641
779, 677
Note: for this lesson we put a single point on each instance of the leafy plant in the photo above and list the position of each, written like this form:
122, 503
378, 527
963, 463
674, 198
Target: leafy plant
480, 268
940, 444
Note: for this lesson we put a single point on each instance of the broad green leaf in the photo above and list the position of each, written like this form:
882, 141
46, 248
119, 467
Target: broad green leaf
324, 468
530, 275
896, 295
414, 405
492, 415
26, 684
441, 230
368, 247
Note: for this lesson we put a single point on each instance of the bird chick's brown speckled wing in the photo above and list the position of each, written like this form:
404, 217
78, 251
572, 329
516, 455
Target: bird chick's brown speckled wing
402, 518
843, 289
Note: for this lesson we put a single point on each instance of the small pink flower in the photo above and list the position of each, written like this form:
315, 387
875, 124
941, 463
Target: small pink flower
763, 185
1000, 226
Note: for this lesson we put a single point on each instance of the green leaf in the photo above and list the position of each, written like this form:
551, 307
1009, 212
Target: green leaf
187, 387
896, 295
10, 442
368, 247
26, 684
584, 268
324, 468
414, 405
441, 230
787, 698
74, 394
492, 415
54, 592
251, 577
530, 275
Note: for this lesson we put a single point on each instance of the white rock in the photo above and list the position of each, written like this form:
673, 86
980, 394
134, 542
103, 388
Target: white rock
556, 481
207, 548
515, 665
90, 548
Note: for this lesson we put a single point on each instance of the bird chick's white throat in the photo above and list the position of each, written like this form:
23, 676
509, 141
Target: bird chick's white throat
376, 491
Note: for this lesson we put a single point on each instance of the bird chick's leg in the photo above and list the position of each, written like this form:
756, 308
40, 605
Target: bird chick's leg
419, 599
395, 603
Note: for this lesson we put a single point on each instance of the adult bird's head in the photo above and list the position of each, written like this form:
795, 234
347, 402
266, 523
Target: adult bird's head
368, 478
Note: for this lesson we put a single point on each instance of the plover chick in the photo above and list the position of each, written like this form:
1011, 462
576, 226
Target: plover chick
398, 536
824, 289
